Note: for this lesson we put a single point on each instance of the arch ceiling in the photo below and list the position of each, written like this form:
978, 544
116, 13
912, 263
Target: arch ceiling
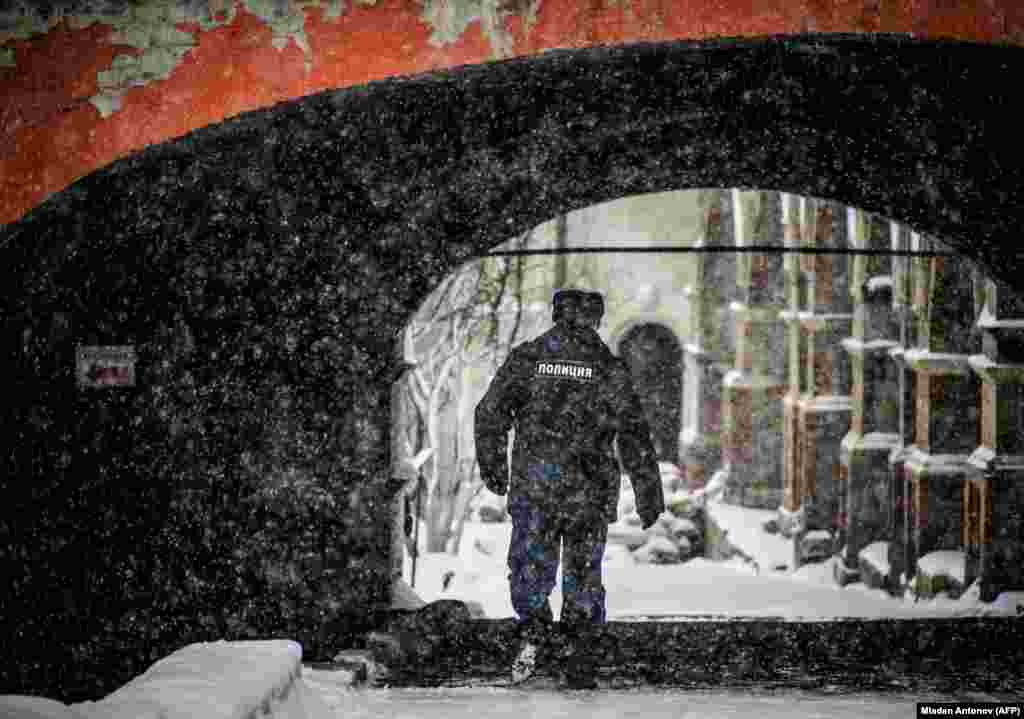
453, 162
86, 82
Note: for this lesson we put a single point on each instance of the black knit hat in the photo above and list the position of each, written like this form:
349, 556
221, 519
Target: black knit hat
593, 306
572, 304
567, 305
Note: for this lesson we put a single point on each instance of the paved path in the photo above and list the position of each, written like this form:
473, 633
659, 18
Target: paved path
480, 702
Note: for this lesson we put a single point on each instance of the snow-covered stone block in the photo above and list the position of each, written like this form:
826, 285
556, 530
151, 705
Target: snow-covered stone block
16, 706
215, 680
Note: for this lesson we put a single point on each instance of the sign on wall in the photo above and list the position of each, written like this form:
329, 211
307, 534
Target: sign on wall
109, 366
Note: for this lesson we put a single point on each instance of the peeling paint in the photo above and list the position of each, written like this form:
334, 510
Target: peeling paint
106, 103
149, 26
287, 20
449, 19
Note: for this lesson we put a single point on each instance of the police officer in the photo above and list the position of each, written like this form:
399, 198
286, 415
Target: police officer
570, 402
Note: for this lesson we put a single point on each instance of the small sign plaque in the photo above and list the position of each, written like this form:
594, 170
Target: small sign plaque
110, 366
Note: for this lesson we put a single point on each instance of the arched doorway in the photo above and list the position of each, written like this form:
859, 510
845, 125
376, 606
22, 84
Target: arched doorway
655, 361
293, 269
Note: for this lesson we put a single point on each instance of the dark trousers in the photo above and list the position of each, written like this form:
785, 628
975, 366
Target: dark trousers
533, 558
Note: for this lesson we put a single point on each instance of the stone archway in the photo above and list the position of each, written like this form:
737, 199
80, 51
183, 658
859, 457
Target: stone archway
263, 268
655, 358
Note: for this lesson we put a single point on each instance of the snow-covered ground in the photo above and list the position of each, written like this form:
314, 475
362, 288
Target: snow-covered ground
247, 683
699, 587
261, 680
476, 703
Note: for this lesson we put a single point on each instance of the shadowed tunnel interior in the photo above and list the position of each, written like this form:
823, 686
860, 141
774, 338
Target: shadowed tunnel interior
264, 268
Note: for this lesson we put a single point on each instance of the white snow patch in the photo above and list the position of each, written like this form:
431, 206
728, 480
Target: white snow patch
947, 562
216, 680
745, 532
878, 282
855, 345
877, 555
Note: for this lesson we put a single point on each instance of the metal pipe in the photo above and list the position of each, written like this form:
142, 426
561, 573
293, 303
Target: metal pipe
741, 249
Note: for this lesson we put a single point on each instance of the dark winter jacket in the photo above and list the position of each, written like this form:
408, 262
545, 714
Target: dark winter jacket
569, 400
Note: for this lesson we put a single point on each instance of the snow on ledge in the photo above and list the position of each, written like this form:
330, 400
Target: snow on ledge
215, 680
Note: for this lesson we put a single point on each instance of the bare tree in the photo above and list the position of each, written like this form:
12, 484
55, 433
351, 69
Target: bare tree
472, 319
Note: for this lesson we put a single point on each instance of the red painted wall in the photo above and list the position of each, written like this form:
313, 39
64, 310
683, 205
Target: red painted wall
50, 134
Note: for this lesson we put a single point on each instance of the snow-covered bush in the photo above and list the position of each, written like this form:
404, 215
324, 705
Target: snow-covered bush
682, 504
490, 507
658, 550
678, 533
